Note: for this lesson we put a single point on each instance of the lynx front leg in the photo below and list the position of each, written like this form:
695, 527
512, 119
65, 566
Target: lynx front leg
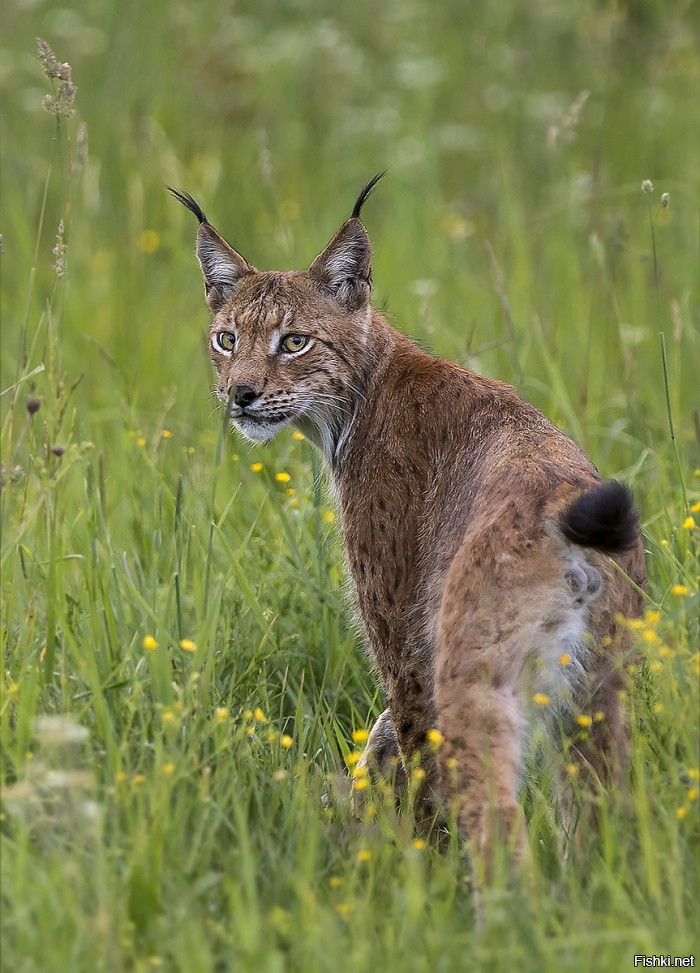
413, 714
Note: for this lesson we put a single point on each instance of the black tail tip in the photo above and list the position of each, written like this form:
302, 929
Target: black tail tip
190, 203
603, 518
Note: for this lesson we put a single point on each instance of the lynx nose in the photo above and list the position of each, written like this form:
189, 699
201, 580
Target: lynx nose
244, 396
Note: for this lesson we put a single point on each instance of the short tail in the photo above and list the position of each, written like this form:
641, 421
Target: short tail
604, 518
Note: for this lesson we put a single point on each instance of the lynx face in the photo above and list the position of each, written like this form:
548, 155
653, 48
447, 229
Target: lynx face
282, 346
290, 347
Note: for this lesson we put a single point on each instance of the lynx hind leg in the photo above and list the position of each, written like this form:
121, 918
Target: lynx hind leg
381, 760
517, 613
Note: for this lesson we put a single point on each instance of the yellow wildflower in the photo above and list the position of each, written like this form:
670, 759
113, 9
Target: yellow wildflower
141, 441
652, 617
418, 774
259, 715
680, 590
635, 624
435, 737
138, 779
335, 881
650, 636
282, 477
187, 645
299, 436
286, 741
364, 855
166, 434
360, 771
352, 758
419, 844
120, 776
688, 523
329, 516
694, 773
148, 241
565, 659
451, 762
541, 699
599, 716
360, 736
665, 652
150, 643
573, 769
693, 794
657, 708
256, 467
695, 509
584, 720
681, 813
655, 666
343, 909
221, 713
361, 784
169, 768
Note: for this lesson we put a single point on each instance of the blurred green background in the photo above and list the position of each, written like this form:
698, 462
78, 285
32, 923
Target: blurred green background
526, 126
511, 233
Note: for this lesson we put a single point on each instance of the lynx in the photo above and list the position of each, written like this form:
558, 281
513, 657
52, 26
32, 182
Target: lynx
491, 564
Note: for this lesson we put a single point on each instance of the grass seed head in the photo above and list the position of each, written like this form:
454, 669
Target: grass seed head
60, 103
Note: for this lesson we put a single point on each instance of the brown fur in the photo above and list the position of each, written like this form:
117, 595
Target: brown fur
451, 490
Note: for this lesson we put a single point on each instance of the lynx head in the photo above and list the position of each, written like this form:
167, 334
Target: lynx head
289, 347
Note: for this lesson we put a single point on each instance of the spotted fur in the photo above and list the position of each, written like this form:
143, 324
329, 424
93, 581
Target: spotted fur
482, 544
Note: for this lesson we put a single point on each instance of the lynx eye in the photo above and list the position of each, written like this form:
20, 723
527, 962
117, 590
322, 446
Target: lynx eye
224, 341
292, 343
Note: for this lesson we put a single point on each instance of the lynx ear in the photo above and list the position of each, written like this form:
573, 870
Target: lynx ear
343, 268
221, 265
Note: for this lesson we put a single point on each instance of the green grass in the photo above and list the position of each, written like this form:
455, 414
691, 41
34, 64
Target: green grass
178, 832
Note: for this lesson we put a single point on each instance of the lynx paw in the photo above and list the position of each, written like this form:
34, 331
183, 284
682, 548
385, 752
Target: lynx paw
381, 760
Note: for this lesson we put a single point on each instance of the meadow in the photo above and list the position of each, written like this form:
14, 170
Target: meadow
183, 680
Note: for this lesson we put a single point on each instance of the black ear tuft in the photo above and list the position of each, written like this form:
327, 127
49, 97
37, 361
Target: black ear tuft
191, 205
604, 518
364, 195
